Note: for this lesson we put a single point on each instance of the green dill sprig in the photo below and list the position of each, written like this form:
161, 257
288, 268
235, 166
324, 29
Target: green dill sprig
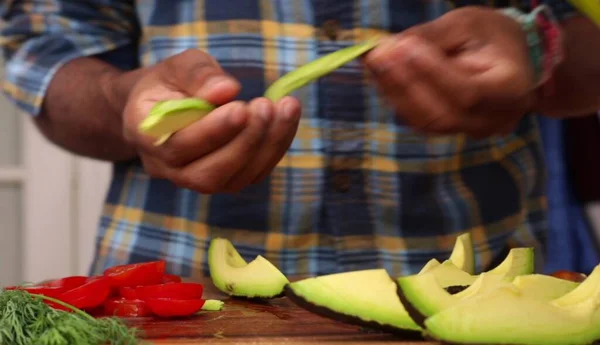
26, 320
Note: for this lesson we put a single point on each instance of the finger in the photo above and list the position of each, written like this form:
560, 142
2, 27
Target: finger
215, 170
200, 138
283, 107
417, 102
198, 74
278, 139
429, 63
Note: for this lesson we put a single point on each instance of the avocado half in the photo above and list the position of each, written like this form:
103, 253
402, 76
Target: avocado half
506, 315
232, 275
420, 305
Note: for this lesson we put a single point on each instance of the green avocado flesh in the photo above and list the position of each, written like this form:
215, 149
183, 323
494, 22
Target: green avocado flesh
167, 117
462, 255
365, 298
519, 261
507, 315
232, 275
422, 304
212, 305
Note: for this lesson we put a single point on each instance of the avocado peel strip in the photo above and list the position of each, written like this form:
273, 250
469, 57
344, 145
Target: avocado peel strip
169, 116
316, 69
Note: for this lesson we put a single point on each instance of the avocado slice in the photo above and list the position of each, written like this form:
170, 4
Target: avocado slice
505, 315
365, 298
462, 254
232, 275
544, 287
424, 296
431, 264
519, 261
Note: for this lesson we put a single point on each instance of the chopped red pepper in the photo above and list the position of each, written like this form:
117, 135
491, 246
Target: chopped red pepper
147, 273
166, 307
179, 291
126, 307
89, 295
171, 278
128, 292
67, 283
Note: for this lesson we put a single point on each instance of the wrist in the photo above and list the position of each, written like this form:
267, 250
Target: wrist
116, 87
544, 42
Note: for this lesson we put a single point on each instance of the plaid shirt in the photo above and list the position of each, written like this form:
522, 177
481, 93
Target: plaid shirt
357, 189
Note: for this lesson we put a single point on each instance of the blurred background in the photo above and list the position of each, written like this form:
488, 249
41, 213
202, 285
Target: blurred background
50, 202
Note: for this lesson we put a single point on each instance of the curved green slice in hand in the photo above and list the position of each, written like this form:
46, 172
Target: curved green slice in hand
316, 69
167, 117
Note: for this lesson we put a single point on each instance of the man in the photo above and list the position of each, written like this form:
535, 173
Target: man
379, 164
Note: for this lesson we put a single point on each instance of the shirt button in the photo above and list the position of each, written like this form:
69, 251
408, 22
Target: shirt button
342, 182
331, 29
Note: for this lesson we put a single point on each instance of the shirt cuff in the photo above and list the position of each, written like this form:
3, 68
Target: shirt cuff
30, 69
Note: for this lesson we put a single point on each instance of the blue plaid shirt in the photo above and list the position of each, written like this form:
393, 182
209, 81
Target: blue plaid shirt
357, 189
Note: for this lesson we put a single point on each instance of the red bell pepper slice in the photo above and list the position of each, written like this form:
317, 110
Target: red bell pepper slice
165, 307
178, 291
171, 278
89, 295
67, 283
123, 307
147, 273
128, 292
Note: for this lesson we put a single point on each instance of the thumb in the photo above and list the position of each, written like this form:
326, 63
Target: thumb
198, 74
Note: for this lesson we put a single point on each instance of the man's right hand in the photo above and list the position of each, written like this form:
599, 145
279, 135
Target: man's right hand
235, 145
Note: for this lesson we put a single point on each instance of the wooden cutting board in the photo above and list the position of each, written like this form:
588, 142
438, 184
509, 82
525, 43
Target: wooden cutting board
277, 321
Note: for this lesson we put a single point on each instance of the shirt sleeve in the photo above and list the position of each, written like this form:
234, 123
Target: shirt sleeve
39, 37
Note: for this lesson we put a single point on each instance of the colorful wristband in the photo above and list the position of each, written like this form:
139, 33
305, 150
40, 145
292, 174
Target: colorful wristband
544, 39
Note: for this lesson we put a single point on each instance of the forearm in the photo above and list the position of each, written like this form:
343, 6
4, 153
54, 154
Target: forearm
575, 88
83, 106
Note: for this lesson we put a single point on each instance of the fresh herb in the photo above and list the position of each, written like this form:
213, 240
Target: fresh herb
26, 320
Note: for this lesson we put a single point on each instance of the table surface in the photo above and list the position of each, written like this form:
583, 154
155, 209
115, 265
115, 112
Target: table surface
277, 321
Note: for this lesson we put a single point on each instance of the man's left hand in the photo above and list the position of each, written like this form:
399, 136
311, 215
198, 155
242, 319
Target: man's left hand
466, 72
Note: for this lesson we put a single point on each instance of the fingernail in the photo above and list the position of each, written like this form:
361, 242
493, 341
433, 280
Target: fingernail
264, 111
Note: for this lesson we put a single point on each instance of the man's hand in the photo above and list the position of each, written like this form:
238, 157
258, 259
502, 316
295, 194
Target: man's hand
466, 72
233, 146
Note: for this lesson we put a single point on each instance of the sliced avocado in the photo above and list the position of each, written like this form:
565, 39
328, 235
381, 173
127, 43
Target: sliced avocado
232, 275
423, 295
462, 254
366, 298
507, 316
429, 265
519, 261
212, 305
543, 287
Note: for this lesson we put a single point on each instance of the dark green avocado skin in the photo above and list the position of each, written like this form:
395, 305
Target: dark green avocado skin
348, 319
417, 317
